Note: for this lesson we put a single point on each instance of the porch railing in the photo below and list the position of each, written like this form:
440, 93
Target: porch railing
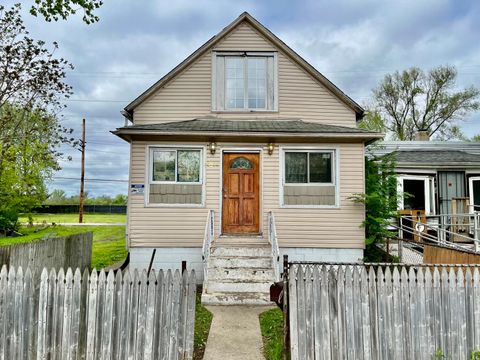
207, 241
445, 229
272, 239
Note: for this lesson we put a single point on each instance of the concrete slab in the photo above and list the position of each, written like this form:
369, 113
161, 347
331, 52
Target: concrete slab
235, 333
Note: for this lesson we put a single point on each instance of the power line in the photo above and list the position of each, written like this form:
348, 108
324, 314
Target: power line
99, 180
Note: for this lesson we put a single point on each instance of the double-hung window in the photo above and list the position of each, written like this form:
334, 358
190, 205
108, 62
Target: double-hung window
244, 82
309, 167
175, 176
309, 178
175, 165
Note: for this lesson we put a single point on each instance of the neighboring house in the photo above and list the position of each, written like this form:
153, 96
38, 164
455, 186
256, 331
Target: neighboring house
241, 141
435, 172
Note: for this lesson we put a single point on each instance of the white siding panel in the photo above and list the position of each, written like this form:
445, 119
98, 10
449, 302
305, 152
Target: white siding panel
305, 227
188, 95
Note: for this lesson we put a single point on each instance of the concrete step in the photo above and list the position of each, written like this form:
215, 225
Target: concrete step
244, 298
237, 287
249, 262
241, 274
247, 241
232, 251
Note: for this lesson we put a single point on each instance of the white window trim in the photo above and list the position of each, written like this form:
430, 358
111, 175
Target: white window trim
428, 188
148, 174
471, 179
335, 176
308, 183
218, 108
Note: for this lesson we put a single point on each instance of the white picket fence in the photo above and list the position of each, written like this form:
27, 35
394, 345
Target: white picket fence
96, 316
355, 312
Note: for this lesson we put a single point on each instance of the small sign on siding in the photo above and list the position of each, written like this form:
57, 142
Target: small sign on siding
137, 189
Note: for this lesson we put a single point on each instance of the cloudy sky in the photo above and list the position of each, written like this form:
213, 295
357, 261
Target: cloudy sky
354, 43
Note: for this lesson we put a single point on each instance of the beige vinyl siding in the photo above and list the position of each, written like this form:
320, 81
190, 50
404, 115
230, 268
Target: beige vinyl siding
175, 194
188, 95
309, 195
296, 227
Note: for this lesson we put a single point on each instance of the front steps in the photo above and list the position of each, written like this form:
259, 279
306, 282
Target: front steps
239, 272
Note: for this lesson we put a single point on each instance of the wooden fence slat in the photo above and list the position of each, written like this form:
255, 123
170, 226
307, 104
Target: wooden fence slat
117, 316
301, 317
75, 315
124, 315
365, 314
349, 314
357, 314
82, 335
309, 323
445, 317
150, 316
57, 321
165, 325
107, 324
397, 318
325, 311
42, 315
429, 313
414, 312
341, 312
454, 327
476, 306
422, 329
382, 309
92, 315
461, 318
317, 314
172, 354
190, 320
389, 326
333, 311
373, 312
159, 313
3, 310
67, 314
28, 307
132, 321
438, 313
292, 290
182, 315
18, 315
141, 318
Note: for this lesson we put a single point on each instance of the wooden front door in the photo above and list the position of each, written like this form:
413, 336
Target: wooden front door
241, 194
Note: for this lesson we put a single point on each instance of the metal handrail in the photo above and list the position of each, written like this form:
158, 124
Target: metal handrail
442, 232
207, 241
272, 239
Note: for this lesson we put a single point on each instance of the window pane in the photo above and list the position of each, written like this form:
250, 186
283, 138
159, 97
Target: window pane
320, 167
295, 167
234, 82
163, 165
257, 78
241, 163
188, 166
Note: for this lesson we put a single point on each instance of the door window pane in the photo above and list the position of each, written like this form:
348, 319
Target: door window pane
188, 166
241, 163
476, 194
320, 167
163, 165
296, 167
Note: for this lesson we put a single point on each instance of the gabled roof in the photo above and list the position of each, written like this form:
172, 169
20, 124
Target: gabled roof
270, 127
246, 17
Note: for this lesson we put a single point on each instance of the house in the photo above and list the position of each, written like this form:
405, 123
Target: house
435, 172
242, 153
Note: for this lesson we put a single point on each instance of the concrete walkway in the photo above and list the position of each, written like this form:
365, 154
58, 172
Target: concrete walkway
235, 333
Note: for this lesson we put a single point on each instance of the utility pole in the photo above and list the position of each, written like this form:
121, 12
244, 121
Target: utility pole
82, 176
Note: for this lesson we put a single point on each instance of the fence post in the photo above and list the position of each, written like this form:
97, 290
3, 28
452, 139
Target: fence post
286, 310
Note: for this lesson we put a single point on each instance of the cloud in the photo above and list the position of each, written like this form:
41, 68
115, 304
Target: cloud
354, 43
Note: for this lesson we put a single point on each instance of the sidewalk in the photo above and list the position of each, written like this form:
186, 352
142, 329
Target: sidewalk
235, 333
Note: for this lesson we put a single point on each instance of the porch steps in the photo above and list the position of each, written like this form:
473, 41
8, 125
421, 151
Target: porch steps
239, 272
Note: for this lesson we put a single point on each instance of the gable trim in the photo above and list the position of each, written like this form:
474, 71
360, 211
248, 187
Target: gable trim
269, 36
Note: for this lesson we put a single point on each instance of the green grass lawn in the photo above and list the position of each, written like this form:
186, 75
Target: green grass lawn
271, 325
73, 218
108, 241
203, 320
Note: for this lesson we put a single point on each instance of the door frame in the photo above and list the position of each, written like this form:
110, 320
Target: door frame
244, 150
471, 179
428, 189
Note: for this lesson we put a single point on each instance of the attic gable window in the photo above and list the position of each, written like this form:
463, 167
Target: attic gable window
244, 82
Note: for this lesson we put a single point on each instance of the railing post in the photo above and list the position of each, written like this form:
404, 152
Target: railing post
477, 231
286, 311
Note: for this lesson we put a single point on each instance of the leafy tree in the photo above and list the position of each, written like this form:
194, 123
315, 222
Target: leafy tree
62, 9
380, 197
31, 94
413, 100
373, 121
